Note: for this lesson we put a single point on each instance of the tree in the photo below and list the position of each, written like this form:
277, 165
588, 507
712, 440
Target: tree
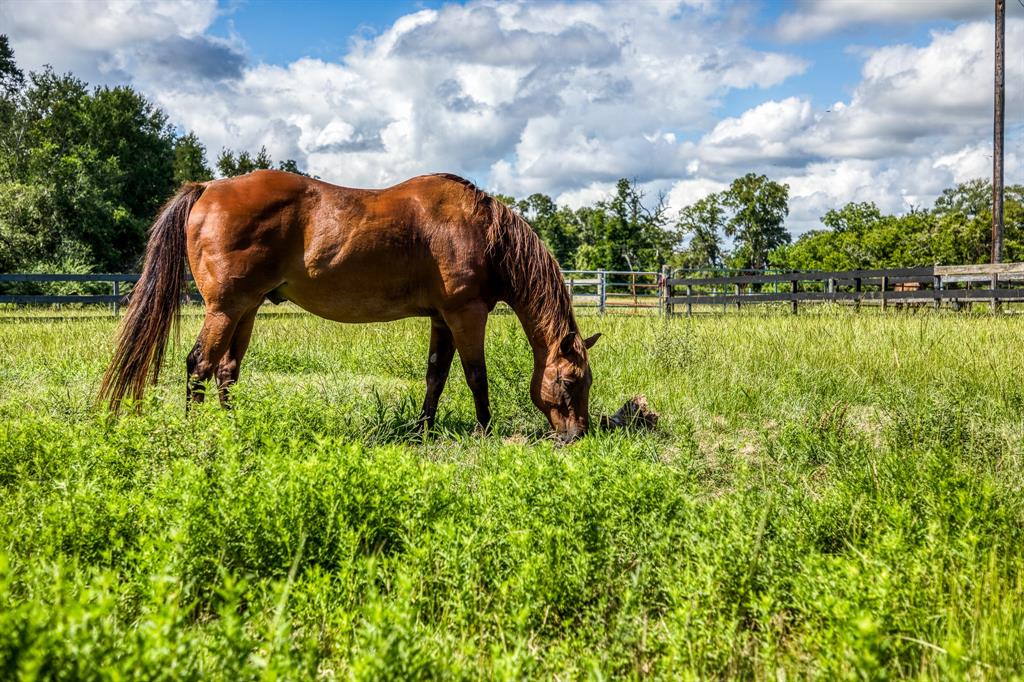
956, 231
703, 222
289, 166
760, 207
190, 160
12, 79
621, 233
231, 165
556, 226
853, 217
82, 173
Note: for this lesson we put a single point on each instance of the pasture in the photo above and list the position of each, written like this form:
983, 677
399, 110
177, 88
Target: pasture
830, 494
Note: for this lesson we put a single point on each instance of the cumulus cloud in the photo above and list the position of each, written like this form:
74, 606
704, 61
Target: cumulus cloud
916, 123
122, 40
563, 97
527, 97
817, 18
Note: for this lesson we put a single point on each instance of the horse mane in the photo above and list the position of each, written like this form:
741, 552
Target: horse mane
531, 276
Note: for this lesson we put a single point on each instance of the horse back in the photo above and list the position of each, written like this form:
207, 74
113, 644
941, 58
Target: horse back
344, 253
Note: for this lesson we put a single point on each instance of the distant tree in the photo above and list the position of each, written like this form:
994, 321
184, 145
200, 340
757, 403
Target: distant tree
969, 199
556, 226
190, 160
621, 233
81, 174
701, 225
289, 166
759, 209
229, 164
853, 217
12, 79
956, 231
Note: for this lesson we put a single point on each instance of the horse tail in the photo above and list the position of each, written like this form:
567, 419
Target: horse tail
154, 305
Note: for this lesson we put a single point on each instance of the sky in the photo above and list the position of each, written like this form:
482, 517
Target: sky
887, 101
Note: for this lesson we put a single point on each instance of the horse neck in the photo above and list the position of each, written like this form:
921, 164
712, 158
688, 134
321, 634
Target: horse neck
531, 279
544, 331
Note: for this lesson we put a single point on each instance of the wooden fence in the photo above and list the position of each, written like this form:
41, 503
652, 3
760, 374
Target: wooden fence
675, 291
600, 289
115, 298
956, 285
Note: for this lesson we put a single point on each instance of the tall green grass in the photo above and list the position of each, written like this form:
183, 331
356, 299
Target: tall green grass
829, 495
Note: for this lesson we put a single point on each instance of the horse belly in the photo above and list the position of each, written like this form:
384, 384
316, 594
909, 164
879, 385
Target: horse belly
354, 296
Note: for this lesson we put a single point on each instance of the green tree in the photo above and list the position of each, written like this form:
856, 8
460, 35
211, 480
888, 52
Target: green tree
82, 174
701, 225
230, 165
958, 230
757, 224
190, 160
853, 217
289, 166
621, 233
12, 79
555, 224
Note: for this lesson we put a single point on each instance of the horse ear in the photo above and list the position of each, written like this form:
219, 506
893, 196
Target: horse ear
589, 343
568, 345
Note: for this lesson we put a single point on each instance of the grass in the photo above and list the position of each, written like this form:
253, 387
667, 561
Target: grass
830, 495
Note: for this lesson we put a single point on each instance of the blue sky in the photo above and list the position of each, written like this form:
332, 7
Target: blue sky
843, 100
281, 32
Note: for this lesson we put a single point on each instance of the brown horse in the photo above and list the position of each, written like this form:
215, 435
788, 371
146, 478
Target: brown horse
434, 246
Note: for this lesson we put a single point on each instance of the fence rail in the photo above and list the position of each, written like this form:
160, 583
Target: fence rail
115, 298
920, 285
671, 291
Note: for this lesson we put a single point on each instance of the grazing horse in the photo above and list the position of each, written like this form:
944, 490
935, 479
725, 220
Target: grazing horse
434, 246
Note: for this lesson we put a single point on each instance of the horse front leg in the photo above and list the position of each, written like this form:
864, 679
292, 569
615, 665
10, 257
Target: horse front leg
439, 362
468, 326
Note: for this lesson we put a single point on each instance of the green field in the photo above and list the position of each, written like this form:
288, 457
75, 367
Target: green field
831, 495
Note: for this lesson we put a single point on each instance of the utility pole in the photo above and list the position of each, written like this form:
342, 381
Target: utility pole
997, 133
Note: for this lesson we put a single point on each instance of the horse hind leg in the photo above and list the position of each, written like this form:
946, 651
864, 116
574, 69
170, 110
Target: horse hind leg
213, 342
230, 365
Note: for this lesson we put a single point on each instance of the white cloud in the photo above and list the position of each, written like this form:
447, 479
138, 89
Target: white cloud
564, 98
816, 18
117, 40
916, 123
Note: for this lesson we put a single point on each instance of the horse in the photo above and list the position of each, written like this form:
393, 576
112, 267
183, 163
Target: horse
434, 246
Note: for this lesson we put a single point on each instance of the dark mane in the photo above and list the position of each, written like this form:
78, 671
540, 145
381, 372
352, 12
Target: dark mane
530, 274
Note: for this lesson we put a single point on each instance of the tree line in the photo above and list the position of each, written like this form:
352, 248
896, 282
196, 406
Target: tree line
84, 170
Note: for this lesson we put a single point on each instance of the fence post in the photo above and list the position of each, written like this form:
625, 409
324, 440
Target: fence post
117, 297
601, 290
885, 285
937, 286
689, 304
792, 290
995, 285
736, 291
856, 288
666, 291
